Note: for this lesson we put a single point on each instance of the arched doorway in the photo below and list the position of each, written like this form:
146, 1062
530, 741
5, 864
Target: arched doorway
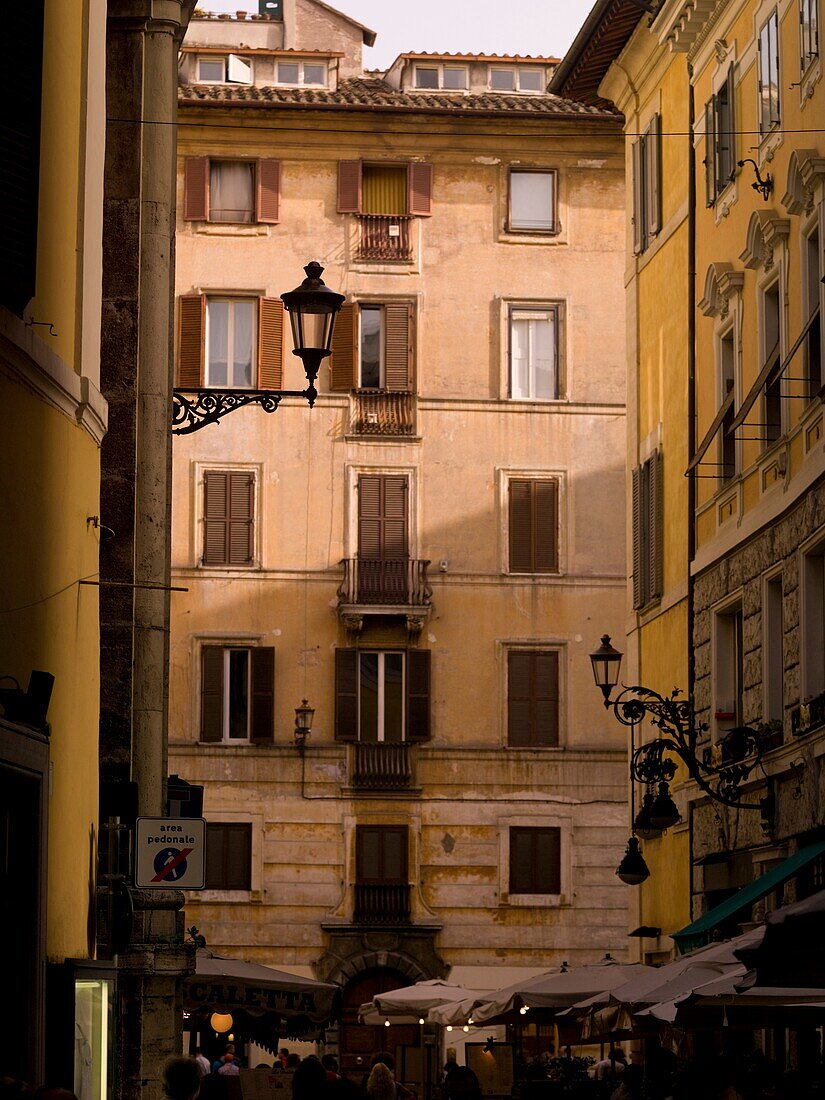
358, 1042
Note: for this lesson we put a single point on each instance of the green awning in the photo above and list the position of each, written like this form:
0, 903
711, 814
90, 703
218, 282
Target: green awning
697, 933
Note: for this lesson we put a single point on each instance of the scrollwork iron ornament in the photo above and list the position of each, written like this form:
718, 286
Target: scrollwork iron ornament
737, 755
194, 409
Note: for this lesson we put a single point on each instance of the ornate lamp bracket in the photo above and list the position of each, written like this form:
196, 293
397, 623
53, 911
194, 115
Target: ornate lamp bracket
194, 409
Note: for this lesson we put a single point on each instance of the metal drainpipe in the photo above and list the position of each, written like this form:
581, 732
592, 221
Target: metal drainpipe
691, 361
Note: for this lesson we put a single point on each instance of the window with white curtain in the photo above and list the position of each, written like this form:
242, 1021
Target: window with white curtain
532, 201
231, 191
533, 354
230, 342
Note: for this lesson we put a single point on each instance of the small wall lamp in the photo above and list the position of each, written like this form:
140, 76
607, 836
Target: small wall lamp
303, 723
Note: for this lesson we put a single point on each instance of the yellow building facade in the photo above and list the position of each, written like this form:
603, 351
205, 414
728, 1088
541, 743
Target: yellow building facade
53, 420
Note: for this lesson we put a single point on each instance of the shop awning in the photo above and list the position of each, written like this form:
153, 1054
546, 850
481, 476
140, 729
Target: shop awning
698, 932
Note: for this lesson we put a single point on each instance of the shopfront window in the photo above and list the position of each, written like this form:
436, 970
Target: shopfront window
93, 1038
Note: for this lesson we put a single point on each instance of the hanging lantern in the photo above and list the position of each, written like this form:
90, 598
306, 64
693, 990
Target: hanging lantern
221, 1022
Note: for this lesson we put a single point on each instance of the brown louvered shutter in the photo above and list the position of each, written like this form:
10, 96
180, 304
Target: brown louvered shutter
211, 693
653, 174
369, 517
654, 502
710, 152
532, 698
346, 694
191, 336
638, 197
521, 526
241, 518
344, 349
397, 346
418, 694
196, 189
421, 189
270, 343
395, 517
349, 186
545, 526
546, 693
263, 694
519, 700
382, 516
268, 191
215, 517
638, 599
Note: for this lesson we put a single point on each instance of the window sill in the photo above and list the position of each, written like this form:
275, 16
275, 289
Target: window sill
230, 229
535, 901
229, 897
531, 237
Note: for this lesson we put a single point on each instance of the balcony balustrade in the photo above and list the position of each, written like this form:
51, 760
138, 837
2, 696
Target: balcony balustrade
381, 766
382, 903
385, 237
394, 582
381, 412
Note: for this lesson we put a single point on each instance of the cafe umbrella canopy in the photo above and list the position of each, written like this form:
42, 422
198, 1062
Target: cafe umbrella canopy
264, 1003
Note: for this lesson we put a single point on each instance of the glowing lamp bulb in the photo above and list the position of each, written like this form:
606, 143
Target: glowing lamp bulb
221, 1022
524, 1010
465, 1028
449, 1027
386, 1023
421, 1020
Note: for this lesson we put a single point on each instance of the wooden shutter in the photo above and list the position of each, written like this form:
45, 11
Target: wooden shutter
262, 659
533, 697
241, 518
346, 694
519, 698
638, 600
653, 175
211, 693
196, 189
215, 517
382, 516
268, 191
535, 860
397, 346
191, 337
710, 152
344, 349
228, 856
638, 197
421, 189
730, 137
654, 501
533, 526
418, 694
349, 186
546, 695
270, 343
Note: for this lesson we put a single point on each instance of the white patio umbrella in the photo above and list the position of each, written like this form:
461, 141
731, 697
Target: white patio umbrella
412, 1003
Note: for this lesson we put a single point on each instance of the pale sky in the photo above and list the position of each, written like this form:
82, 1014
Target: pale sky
543, 27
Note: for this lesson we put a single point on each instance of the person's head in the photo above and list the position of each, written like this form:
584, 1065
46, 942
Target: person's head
462, 1084
310, 1080
263, 1065
229, 1056
384, 1058
294, 1060
380, 1083
283, 1052
617, 1054
181, 1079
230, 1048
330, 1063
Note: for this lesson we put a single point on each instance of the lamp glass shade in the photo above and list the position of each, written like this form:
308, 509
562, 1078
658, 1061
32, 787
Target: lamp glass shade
312, 308
664, 812
643, 825
633, 870
606, 662
303, 717
221, 1022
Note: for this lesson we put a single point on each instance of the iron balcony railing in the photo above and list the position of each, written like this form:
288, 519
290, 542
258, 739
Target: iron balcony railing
399, 582
382, 903
381, 412
385, 237
381, 766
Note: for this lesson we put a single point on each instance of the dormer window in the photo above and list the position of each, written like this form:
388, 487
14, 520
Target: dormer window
224, 70
451, 78
516, 78
303, 73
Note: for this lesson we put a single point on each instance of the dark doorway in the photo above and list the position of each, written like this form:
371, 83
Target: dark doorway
358, 1042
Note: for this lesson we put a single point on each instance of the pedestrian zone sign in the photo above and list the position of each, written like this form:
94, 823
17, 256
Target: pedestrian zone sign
169, 853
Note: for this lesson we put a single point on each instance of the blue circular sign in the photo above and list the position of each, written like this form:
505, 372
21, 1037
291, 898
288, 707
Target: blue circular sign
162, 860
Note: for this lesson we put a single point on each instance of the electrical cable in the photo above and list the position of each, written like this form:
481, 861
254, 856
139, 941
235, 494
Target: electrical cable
45, 599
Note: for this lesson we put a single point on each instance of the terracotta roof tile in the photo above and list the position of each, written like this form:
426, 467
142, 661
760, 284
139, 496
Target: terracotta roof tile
374, 94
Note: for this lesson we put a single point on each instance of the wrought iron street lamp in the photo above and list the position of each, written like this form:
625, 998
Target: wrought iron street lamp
721, 775
312, 309
303, 723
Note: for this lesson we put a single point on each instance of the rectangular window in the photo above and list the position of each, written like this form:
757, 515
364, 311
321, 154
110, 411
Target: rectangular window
212, 70
454, 78
532, 698
231, 191
535, 860
302, 73
502, 80
530, 80
228, 850
380, 696
720, 140
534, 373
532, 201
813, 623
230, 342
381, 854
384, 189
426, 76
371, 363
228, 517
225, 70
646, 157
534, 524
647, 531
237, 694
808, 33
769, 100
813, 341
773, 638
728, 694
727, 451
771, 428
